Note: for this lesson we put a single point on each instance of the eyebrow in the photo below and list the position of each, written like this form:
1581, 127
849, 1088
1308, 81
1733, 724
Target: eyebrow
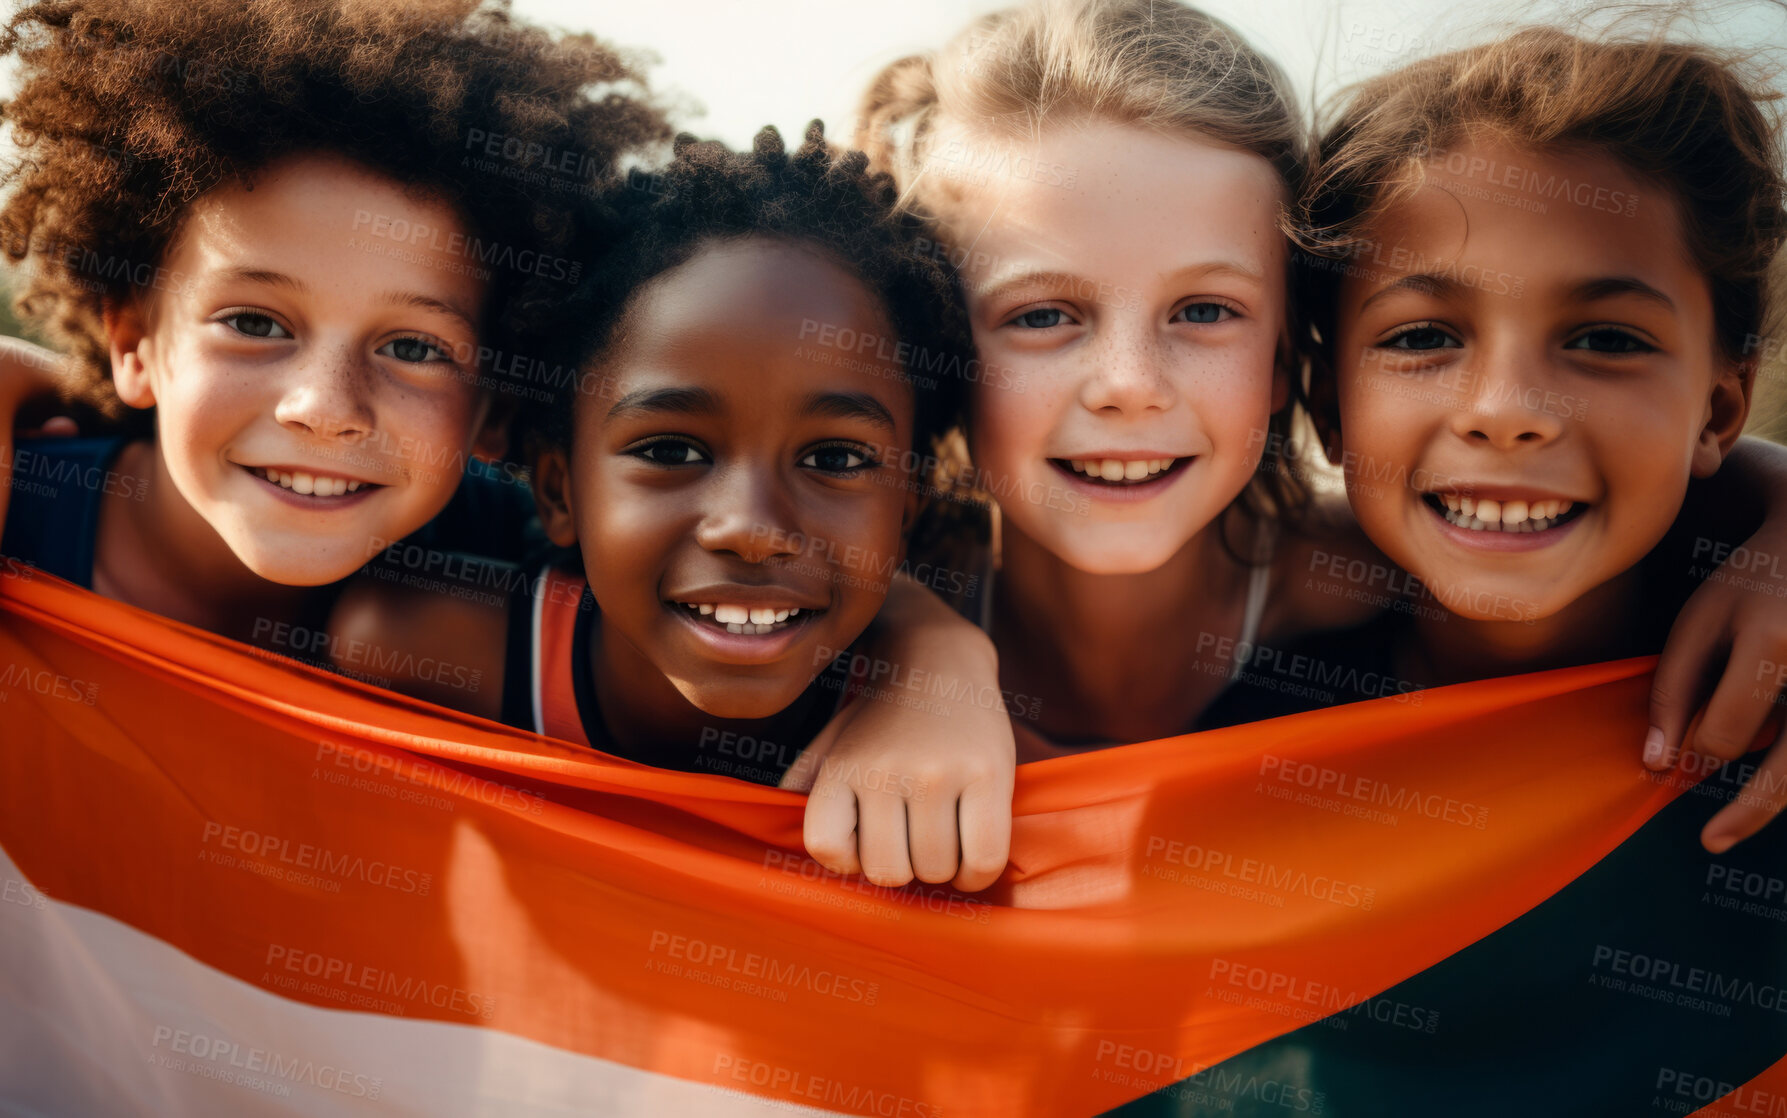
1608, 287
849, 405
665, 401
262, 276
1042, 277
427, 302
1422, 283
395, 299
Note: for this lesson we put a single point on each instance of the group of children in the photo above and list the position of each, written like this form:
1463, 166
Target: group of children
1065, 325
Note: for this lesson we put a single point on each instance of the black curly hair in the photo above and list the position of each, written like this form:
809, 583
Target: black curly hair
817, 197
126, 112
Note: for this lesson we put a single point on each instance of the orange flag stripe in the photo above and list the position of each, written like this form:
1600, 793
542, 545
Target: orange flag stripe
1169, 904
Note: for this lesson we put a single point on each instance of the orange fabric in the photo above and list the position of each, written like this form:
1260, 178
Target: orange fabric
253, 812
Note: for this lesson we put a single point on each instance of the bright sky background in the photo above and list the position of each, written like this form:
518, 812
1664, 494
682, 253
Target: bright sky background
752, 62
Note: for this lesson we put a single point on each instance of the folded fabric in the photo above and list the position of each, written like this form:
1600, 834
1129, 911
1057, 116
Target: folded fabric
235, 885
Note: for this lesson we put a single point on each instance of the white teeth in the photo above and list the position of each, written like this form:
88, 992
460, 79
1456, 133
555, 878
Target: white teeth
743, 619
310, 485
1119, 469
1503, 516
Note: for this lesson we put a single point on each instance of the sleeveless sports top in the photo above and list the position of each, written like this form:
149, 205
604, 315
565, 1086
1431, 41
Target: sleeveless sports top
52, 521
549, 686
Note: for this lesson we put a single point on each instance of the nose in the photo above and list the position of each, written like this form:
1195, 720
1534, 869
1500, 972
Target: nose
1507, 404
1128, 376
749, 512
329, 394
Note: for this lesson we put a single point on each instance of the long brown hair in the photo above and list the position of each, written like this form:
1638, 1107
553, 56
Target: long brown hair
1685, 116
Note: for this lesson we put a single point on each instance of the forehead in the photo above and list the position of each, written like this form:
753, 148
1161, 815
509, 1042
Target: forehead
336, 220
1089, 190
1547, 218
759, 317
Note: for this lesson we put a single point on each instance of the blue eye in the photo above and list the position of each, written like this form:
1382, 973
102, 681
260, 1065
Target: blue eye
837, 459
1422, 338
670, 452
1202, 313
415, 350
1608, 339
253, 325
1041, 318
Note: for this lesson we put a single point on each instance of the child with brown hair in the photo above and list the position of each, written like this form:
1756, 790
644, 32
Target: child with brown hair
1540, 291
309, 238
1110, 178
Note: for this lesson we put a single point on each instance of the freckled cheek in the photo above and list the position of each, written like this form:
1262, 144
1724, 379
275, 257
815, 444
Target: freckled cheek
1007, 430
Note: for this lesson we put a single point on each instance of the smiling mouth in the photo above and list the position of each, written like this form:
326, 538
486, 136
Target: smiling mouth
1120, 471
750, 621
1503, 516
310, 485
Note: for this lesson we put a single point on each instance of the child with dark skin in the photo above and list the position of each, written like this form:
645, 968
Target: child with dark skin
739, 492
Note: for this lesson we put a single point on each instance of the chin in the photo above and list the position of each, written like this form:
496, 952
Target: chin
741, 702
289, 569
1116, 557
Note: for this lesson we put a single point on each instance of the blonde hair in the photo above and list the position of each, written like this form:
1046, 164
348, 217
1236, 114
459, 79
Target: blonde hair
1154, 64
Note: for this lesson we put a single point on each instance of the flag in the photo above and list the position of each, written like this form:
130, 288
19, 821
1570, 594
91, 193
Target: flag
231, 884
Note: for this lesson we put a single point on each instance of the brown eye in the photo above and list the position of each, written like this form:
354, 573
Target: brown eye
670, 452
835, 459
1607, 339
254, 325
1421, 338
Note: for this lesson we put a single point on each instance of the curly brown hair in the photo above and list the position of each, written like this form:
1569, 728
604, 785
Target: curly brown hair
126, 112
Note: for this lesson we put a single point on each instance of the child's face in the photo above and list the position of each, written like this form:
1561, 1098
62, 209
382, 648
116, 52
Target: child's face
312, 364
1543, 351
739, 484
1127, 295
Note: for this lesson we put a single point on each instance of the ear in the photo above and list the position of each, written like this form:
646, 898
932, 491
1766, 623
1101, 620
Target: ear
1727, 407
552, 496
492, 439
132, 352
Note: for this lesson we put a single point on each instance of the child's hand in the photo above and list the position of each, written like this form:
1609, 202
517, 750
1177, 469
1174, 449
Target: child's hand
1748, 632
1737, 634
920, 788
